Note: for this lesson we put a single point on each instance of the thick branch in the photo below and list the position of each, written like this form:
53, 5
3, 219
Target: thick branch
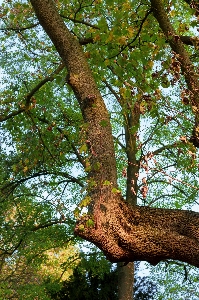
132, 118
177, 46
189, 40
85, 41
142, 233
186, 65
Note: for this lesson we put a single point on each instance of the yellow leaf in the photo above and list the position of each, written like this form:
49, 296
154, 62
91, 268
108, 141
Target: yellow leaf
110, 37
150, 63
122, 91
85, 201
122, 40
195, 109
83, 148
81, 227
96, 38
76, 212
142, 109
172, 13
131, 32
127, 6
87, 54
25, 169
14, 168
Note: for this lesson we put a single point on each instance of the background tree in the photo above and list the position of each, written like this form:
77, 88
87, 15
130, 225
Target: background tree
95, 278
65, 151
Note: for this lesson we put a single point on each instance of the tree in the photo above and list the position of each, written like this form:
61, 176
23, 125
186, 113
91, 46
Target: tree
95, 278
106, 48
37, 273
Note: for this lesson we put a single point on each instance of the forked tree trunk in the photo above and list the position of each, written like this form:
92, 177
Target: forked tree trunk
124, 233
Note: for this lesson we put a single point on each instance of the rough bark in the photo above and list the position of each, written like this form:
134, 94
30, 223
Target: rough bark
124, 233
187, 67
142, 233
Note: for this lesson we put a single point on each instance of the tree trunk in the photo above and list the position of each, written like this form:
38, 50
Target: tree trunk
131, 119
125, 281
124, 233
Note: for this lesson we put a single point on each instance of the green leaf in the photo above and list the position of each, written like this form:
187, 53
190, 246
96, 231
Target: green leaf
83, 148
104, 123
76, 212
107, 183
81, 227
97, 166
90, 223
85, 202
115, 191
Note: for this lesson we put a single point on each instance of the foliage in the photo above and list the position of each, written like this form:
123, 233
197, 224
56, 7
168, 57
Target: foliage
36, 272
91, 279
95, 278
175, 280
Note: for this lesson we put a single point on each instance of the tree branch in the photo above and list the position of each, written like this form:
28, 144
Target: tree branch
79, 21
49, 224
187, 67
193, 4
13, 184
115, 94
79, 157
149, 234
189, 40
41, 83
13, 114
85, 41
19, 29
31, 94
129, 45
123, 233
164, 147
